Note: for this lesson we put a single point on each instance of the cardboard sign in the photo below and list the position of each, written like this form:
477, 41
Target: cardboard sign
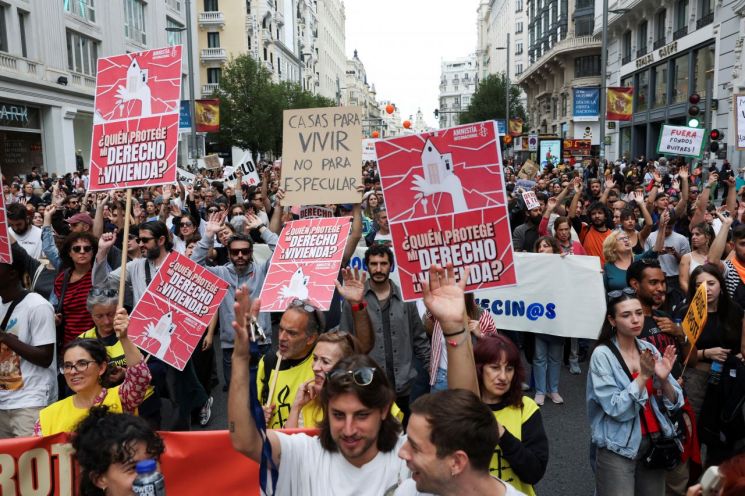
176, 309
315, 212
529, 170
446, 203
212, 162
368, 150
695, 318
740, 121
681, 140
305, 263
6, 256
136, 119
531, 201
321, 155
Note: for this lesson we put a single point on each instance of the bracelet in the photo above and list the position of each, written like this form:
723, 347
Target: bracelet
454, 333
359, 306
703, 353
454, 343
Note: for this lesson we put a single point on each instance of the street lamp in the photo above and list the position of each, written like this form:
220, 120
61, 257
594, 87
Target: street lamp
507, 87
190, 55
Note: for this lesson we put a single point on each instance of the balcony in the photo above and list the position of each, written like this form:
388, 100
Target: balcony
211, 19
83, 81
626, 59
641, 52
22, 67
266, 36
659, 43
583, 43
279, 18
214, 55
209, 88
707, 19
680, 33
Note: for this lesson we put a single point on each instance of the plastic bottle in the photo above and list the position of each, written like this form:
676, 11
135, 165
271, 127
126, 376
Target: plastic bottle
149, 482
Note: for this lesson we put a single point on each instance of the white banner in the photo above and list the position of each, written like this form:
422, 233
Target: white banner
185, 176
368, 150
562, 296
740, 121
681, 140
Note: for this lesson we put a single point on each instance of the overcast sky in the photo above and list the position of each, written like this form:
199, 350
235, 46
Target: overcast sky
402, 42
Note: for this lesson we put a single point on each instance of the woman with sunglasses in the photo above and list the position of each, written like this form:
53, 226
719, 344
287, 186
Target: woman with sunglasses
85, 365
628, 387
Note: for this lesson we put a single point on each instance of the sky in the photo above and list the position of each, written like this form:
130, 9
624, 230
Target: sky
402, 43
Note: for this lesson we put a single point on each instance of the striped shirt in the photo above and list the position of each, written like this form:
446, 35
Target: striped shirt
77, 319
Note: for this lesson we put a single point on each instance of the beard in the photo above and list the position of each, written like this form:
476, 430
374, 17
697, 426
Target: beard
153, 253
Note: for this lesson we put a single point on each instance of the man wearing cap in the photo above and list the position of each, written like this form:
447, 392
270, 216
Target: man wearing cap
80, 222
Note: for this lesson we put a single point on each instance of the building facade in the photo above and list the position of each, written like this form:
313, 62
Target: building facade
457, 86
563, 59
357, 92
667, 50
332, 60
48, 55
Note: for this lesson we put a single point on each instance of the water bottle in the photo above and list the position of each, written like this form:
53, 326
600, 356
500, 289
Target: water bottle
149, 482
716, 372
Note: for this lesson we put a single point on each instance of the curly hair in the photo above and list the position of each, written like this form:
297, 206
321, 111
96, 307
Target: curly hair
104, 438
97, 350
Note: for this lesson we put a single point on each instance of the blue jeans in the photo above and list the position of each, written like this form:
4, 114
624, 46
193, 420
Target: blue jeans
549, 352
441, 381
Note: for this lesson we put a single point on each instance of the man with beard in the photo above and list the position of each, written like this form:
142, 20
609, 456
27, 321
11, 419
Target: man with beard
399, 332
591, 234
27, 235
525, 235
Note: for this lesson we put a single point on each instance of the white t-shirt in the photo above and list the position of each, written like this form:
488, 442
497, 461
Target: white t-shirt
381, 238
306, 469
30, 241
32, 322
408, 488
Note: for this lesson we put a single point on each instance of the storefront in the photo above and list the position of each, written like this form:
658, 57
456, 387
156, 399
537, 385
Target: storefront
663, 80
20, 138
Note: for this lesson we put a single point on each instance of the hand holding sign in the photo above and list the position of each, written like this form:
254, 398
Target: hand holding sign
121, 323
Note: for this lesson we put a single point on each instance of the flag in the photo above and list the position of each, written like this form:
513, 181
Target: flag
619, 104
516, 126
207, 115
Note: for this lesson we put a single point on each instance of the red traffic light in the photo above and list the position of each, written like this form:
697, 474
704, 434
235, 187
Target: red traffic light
693, 110
715, 134
694, 99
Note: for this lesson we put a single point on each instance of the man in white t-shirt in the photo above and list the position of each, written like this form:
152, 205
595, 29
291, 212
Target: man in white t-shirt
450, 442
27, 366
27, 235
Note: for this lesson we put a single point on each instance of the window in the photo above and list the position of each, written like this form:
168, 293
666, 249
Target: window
626, 47
82, 53
81, 8
564, 104
3, 30
681, 90
22, 23
660, 85
583, 26
134, 21
703, 65
518, 69
211, 6
519, 27
174, 37
174, 4
587, 66
706, 7
213, 75
659, 25
518, 5
627, 82
213, 40
642, 94
584, 4
519, 48
641, 39
681, 14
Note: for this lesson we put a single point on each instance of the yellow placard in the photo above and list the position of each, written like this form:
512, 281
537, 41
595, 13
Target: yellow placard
695, 318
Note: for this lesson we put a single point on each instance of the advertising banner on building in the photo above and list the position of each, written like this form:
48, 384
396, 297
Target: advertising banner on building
136, 119
446, 203
368, 149
184, 117
549, 152
740, 121
305, 264
585, 104
619, 103
176, 309
682, 141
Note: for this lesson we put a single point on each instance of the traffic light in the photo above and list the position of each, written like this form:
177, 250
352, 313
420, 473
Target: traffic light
437, 113
715, 136
693, 110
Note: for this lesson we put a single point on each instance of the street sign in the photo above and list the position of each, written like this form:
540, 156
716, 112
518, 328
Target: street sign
533, 143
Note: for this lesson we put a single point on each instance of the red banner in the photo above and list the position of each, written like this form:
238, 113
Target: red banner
5, 254
305, 263
194, 463
208, 115
176, 309
135, 124
620, 103
446, 203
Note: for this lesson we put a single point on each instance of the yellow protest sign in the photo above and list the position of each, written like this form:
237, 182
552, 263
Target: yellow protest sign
695, 318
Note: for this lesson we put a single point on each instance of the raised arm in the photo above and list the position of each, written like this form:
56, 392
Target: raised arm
731, 201
609, 185
680, 208
648, 222
353, 292
703, 200
716, 250
575, 199
275, 223
356, 233
98, 223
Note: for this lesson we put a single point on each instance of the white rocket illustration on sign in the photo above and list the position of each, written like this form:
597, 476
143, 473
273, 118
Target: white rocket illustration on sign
161, 332
137, 89
298, 287
439, 178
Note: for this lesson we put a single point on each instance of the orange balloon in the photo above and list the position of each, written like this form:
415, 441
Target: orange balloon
507, 139
389, 108
375, 134
407, 124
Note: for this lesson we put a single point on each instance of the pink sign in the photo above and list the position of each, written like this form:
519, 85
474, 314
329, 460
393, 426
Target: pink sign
305, 263
444, 192
176, 309
135, 124
5, 254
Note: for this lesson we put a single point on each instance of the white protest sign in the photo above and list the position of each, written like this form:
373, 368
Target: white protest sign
185, 176
531, 200
740, 121
368, 150
681, 140
210, 162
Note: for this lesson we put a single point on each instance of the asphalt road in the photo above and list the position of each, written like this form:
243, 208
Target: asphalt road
568, 471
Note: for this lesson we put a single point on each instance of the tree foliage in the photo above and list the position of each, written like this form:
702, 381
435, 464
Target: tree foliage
251, 105
488, 101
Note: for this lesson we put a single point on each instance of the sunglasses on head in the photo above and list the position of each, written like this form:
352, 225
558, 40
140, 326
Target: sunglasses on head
82, 248
296, 303
620, 292
108, 293
362, 376
240, 251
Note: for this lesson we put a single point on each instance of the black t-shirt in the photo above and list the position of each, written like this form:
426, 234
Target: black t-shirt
653, 334
714, 335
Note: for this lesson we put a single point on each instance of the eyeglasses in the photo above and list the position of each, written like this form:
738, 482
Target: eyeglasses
79, 366
109, 293
82, 248
240, 251
144, 241
362, 376
187, 224
211, 210
620, 292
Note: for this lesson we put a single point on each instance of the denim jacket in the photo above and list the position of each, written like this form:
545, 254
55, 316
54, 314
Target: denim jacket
614, 403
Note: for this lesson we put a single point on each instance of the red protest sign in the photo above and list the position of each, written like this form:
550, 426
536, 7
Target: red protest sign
176, 309
446, 203
5, 254
135, 124
305, 263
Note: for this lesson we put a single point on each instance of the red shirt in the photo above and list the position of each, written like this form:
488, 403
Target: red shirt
77, 319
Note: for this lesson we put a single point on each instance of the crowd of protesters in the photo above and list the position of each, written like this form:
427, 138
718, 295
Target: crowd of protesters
661, 410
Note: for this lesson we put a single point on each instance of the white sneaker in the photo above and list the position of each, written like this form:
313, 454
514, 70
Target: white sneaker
540, 399
206, 412
574, 369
